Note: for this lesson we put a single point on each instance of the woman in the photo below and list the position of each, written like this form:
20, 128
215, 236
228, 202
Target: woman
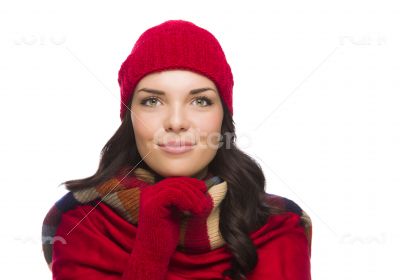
173, 197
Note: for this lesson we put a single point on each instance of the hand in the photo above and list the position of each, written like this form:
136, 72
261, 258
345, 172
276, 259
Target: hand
160, 213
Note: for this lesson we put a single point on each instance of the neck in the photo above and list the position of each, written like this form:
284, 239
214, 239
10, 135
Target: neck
202, 174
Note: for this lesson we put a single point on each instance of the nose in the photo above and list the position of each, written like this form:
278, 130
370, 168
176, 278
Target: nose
176, 120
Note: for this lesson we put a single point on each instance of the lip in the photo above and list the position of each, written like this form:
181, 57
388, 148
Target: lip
172, 143
175, 147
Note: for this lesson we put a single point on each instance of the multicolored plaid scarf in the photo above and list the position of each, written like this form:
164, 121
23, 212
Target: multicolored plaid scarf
122, 194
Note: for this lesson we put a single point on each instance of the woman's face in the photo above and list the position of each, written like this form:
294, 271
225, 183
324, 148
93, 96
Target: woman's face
172, 107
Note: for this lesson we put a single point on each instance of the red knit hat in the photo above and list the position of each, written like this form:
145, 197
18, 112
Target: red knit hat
176, 44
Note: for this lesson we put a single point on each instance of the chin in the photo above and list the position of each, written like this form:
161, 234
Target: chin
171, 171
177, 172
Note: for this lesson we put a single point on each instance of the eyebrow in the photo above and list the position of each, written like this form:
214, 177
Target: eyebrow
160, 92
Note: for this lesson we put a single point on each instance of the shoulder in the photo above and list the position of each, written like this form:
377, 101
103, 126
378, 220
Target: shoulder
88, 228
77, 225
69, 225
284, 242
95, 216
284, 204
93, 228
280, 205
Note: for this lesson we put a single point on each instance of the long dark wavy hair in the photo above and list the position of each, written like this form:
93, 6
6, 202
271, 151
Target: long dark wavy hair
243, 209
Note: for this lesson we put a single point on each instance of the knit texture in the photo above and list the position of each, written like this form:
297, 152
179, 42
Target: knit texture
102, 222
176, 44
122, 195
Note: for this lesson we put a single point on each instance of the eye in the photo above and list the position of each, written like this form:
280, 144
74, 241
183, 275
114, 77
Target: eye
203, 101
144, 101
206, 99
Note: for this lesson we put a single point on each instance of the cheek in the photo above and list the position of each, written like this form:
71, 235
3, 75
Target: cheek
210, 131
144, 129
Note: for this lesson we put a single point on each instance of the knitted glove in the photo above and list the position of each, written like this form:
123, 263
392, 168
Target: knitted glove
160, 212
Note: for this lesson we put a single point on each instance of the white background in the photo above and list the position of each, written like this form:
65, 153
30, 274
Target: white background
315, 103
